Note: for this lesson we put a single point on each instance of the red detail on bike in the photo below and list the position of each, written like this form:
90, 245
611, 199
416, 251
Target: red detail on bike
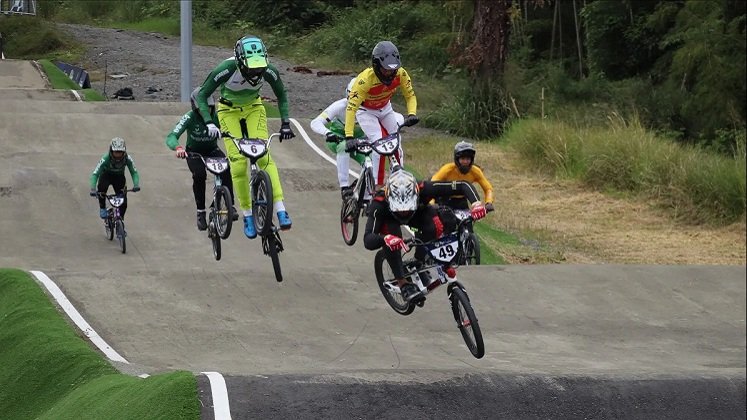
450, 272
439, 226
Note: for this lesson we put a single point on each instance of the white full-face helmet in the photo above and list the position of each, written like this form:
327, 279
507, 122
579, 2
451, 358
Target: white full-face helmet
401, 192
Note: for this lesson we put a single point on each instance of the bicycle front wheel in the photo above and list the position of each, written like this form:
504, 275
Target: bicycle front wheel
384, 275
272, 246
262, 203
120, 227
467, 322
349, 220
109, 226
223, 212
215, 239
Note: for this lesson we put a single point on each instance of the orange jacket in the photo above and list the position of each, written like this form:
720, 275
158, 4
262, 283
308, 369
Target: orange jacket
450, 172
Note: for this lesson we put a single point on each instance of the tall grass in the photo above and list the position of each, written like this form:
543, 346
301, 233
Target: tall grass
696, 185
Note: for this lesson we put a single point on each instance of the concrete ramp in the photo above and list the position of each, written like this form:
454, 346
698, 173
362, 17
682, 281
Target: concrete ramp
600, 341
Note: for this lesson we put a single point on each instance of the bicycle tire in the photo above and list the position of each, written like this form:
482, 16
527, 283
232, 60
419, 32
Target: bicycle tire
119, 225
400, 306
223, 211
472, 250
349, 221
215, 239
368, 187
262, 203
272, 251
108, 225
467, 322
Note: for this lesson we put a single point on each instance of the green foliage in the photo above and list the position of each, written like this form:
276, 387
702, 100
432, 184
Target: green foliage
696, 185
478, 112
29, 37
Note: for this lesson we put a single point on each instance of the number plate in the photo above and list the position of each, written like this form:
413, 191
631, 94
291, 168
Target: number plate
252, 147
387, 145
445, 251
116, 201
216, 165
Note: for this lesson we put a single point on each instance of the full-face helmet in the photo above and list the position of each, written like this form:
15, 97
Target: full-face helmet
251, 58
196, 107
118, 152
385, 61
401, 192
464, 149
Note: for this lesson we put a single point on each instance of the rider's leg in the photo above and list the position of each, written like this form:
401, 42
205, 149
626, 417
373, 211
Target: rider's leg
230, 118
101, 187
199, 175
429, 227
118, 184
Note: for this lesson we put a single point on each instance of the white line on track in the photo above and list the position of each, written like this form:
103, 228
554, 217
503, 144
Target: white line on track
77, 96
220, 395
81, 323
315, 148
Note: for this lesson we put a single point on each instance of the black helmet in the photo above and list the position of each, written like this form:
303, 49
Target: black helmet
463, 149
385, 56
196, 107
251, 58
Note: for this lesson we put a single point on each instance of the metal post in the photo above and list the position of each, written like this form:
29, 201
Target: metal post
186, 48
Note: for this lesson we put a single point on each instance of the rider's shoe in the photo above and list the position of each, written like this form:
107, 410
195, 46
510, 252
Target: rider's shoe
103, 213
346, 192
284, 220
410, 292
249, 230
201, 222
235, 214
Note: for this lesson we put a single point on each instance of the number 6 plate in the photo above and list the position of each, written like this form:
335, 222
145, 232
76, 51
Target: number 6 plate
252, 147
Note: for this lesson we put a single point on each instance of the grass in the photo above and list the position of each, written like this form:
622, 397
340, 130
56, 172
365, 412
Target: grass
695, 185
49, 372
60, 80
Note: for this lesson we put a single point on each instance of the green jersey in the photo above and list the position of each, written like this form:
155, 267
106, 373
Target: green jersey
198, 139
237, 91
107, 165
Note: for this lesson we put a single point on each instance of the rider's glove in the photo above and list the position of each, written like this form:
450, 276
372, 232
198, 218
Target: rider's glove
411, 120
213, 131
478, 210
180, 152
93, 192
350, 144
285, 131
136, 188
332, 138
489, 207
395, 243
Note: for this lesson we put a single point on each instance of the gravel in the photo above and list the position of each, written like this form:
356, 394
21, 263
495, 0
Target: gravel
143, 60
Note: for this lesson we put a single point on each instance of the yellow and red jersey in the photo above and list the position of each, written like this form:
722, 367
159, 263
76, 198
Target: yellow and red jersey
369, 92
450, 172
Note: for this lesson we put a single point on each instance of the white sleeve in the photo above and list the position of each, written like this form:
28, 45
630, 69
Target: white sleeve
335, 111
318, 124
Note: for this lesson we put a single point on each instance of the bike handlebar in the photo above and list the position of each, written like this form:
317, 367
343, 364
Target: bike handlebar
103, 194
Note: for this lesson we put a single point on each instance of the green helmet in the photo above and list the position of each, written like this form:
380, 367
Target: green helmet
251, 58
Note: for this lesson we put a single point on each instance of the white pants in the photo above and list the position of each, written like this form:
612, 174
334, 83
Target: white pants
373, 122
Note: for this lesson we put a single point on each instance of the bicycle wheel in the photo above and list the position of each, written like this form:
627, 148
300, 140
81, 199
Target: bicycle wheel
223, 211
120, 227
349, 220
467, 322
272, 245
472, 250
367, 188
384, 275
109, 226
215, 239
262, 203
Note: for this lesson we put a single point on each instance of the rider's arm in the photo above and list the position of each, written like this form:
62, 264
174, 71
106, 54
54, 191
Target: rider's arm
443, 173
430, 189
216, 78
408, 92
487, 189
357, 95
133, 171
272, 76
335, 111
103, 163
372, 239
172, 139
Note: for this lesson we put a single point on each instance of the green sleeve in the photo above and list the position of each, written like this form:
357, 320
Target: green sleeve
272, 76
103, 163
133, 171
216, 78
172, 139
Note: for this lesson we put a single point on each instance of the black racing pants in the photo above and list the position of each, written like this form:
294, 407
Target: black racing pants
117, 181
423, 221
199, 176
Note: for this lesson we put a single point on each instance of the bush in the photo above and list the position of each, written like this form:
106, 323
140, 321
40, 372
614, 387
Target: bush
475, 112
29, 37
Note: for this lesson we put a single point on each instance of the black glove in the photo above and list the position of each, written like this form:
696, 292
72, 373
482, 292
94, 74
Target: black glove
411, 120
136, 188
350, 144
93, 192
285, 131
489, 207
332, 138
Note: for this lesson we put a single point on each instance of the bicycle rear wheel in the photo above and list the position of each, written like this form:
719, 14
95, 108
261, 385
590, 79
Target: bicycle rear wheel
223, 211
120, 227
262, 203
272, 245
109, 226
467, 322
349, 220
384, 275
472, 250
215, 239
